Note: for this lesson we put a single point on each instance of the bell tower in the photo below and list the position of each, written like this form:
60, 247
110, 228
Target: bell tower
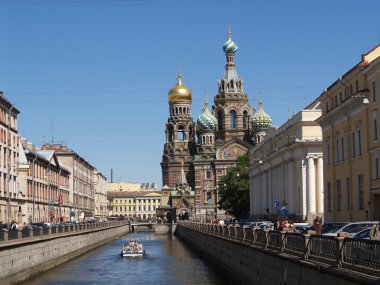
180, 137
231, 107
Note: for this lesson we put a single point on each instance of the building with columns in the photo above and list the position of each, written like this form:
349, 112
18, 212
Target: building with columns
286, 169
196, 155
140, 205
351, 144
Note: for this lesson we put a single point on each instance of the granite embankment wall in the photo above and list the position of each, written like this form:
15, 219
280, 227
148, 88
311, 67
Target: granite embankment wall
248, 264
22, 259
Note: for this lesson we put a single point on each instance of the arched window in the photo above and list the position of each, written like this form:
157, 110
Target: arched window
245, 120
180, 110
180, 134
220, 120
233, 119
170, 134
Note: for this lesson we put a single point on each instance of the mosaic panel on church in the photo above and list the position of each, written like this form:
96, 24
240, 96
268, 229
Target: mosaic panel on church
231, 151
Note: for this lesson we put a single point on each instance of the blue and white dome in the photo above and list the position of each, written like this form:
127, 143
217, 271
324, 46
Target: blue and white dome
229, 46
206, 120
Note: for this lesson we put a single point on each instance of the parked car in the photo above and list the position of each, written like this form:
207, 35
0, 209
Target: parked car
302, 229
29, 227
327, 227
5, 227
347, 228
363, 234
40, 225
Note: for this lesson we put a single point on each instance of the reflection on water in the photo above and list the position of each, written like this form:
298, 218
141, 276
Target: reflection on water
167, 261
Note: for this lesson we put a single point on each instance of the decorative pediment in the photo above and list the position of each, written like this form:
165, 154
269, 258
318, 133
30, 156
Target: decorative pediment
232, 149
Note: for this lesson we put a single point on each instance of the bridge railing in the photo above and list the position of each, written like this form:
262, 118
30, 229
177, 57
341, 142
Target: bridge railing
350, 253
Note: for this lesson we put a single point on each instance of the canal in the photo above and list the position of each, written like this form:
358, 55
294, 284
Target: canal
167, 261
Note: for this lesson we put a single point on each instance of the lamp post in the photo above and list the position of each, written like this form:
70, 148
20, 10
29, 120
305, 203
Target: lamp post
216, 201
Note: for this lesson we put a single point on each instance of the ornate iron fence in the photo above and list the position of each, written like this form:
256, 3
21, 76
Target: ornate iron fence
350, 253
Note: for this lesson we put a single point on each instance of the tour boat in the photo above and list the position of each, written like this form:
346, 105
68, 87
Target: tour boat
133, 249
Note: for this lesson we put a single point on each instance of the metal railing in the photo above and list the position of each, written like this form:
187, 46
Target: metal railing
13, 235
354, 254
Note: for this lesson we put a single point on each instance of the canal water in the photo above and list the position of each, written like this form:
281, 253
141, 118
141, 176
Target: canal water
167, 261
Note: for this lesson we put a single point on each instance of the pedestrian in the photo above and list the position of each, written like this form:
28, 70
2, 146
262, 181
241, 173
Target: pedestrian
375, 232
317, 225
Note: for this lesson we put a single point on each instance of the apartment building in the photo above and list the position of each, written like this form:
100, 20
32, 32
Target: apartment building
351, 143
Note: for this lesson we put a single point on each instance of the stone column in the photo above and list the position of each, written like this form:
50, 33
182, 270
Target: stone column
311, 185
320, 184
291, 190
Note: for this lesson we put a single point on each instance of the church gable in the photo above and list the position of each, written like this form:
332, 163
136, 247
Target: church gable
232, 149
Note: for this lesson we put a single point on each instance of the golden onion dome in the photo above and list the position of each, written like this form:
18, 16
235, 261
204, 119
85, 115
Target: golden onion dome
179, 92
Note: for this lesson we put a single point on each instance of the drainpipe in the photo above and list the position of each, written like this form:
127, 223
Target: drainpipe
332, 160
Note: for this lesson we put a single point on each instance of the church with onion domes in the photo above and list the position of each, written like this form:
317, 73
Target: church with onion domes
197, 154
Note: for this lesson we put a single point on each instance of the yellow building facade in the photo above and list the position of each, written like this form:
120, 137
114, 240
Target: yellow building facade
134, 205
350, 110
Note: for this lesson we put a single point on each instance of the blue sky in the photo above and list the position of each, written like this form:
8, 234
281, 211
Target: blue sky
94, 74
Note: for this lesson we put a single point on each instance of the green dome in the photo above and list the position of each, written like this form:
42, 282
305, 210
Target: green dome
261, 120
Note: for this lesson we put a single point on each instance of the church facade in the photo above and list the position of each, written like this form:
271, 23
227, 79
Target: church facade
197, 154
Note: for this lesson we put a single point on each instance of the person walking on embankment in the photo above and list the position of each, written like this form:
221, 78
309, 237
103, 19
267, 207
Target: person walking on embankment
375, 232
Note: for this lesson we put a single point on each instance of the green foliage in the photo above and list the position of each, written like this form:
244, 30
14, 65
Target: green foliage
234, 189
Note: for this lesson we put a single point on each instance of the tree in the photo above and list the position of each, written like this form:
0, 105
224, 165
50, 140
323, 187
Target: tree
234, 189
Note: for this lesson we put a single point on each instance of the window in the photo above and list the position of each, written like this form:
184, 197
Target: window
374, 125
208, 174
328, 154
245, 120
359, 143
121, 209
180, 134
342, 144
220, 120
357, 86
348, 193
353, 145
233, 119
329, 201
338, 195
373, 91
376, 168
336, 101
337, 151
360, 192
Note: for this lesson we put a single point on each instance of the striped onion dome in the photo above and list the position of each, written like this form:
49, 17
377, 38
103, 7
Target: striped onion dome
229, 46
261, 120
206, 120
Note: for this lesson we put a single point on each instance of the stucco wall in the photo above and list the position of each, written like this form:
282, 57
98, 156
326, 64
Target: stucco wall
19, 262
252, 265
